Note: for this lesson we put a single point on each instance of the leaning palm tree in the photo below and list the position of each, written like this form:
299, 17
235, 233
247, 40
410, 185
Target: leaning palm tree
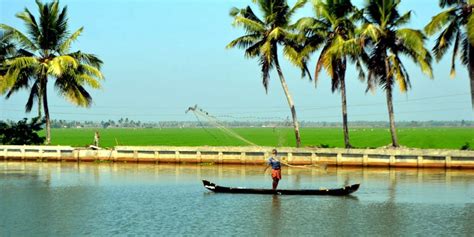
386, 42
456, 24
45, 55
333, 33
262, 38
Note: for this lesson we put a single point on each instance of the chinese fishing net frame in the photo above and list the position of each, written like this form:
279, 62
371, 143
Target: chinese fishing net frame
215, 122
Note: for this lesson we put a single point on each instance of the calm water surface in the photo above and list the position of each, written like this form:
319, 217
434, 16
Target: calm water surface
69, 199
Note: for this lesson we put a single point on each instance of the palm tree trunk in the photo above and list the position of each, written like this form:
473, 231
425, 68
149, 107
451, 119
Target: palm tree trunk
471, 72
345, 127
39, 104
46, 113
290, 101
391, 115
39, 108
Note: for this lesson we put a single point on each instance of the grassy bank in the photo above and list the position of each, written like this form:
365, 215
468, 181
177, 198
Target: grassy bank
452, 138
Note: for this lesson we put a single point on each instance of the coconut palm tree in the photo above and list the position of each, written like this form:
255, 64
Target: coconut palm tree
333, 33
8, 51
44, 55
456, 27
262, 38
386, 42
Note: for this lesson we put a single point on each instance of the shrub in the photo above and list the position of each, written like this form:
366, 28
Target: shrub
22, 132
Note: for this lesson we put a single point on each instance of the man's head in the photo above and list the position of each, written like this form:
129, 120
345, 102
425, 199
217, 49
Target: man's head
274, 152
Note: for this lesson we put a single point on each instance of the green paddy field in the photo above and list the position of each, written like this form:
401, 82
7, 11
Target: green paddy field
452, 138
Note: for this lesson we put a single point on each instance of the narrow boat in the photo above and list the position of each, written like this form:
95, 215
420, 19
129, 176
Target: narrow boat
333, 192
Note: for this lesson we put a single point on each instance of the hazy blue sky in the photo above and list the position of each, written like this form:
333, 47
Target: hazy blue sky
164, 56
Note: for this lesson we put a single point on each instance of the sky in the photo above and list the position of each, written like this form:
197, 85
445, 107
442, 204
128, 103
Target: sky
162, 56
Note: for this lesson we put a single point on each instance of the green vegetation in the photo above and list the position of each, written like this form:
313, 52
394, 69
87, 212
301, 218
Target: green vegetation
43, 55
22, 132
452, 138
262, 38
456, 25
389, 41
332, 33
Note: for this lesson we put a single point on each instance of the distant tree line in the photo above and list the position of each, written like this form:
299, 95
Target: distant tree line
130, 123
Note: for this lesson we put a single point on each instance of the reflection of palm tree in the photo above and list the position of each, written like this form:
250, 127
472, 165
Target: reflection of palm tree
387, 41
262, 40
392, 190
275, 217
457, 26
45, 55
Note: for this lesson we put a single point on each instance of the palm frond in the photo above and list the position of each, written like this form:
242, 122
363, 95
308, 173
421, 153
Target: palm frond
90, 71
254, 50
33, 96
341, 47
86, 58
266, 51
249, 14
85, 79
402, 20
448, 3
305, 23
370, 31
397, 73
327, 62
470, 28
21, 81
359, 68
64, 47
465, 50
60, 64
276, 34
412, 39
244, 42
294, 56
249, 25
299, 4
439, 21
31, 23
22, 62
266, 67
445, 40
319, 64
8, 80
455, 53
425, 65
68, 87
20, 37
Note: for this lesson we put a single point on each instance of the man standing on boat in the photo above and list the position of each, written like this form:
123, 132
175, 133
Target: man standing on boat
274, 162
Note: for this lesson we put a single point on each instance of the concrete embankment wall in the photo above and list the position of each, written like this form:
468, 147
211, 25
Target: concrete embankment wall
429, 158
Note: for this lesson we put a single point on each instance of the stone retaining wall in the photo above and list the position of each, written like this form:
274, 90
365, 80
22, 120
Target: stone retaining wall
247, 155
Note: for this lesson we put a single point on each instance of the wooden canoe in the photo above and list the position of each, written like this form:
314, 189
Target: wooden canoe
332, 192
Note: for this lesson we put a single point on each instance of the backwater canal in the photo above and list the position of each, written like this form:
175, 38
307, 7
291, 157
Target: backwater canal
70, 199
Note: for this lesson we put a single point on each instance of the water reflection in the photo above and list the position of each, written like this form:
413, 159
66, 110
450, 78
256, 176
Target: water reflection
275, 216
144, 199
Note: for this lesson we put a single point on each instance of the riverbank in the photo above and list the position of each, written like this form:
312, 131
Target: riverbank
403, 157
424, 138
